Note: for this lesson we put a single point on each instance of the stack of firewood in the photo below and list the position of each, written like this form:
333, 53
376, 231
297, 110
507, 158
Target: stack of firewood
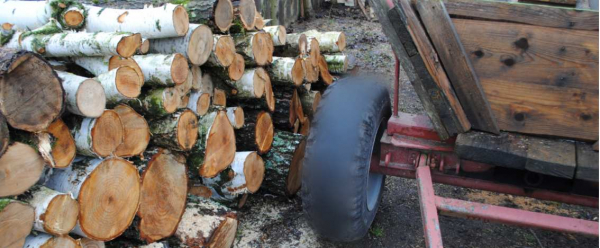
135, 123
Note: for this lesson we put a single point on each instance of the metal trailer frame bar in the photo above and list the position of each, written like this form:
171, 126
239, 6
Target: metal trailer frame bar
411, 148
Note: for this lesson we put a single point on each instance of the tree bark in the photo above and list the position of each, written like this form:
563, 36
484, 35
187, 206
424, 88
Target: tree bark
257, 132
257, 48
283, 164
329, 42
234, 71
215, 148
235, 116
297, 45
251, 98
30, 101
199, 103
156, 103
196, 45
34, 14
177, 132
278, 34
78, 44
20, 168
83, 96
166, 21
4, 135
108, 192
16, 220
46, 240
310, 101
101, 65
244, 176
56, 213
97, 137
163, 69
56, 145
286, 71
120, 84
206, 223
337, 63
136, 133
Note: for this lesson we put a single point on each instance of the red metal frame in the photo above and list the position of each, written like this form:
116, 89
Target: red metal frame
411, 148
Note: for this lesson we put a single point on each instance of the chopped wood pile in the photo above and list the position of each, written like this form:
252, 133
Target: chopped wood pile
137, 124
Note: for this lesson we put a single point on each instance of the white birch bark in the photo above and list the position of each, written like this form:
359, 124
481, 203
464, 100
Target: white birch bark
228, 188
278, 34
25, 15
109, 83
157, 68
329, 42
152, 23
193, 103
84, 96
95, 65
41, 198
336, 63
231, 115
83, 137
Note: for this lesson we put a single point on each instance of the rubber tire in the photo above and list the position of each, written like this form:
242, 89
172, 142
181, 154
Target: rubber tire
336, 163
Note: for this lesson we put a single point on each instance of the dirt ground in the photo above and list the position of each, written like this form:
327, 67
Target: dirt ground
271, 221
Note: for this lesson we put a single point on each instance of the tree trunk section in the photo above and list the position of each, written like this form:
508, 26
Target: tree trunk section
235, 116
56, 213
20, 168
329, 42
233, 72
253, 99
97, 137
177, 132
283, 164
163, 69
324, 71
286, 71
257, 132
312, 70
223, 51
196, 45
206, 223
156, 103
25, 15
216, 145
257, 48
120, 84
83, 96
337, 63
56, 145
108, 192
144, 47
30, 101
90, 243
16, 221
101, 65
136, 133
278, 34
199, 103
200, 82
244, 176
297, 45
310, 101
46, 240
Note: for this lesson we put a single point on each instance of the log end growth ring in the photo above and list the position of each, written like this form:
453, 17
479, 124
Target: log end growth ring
262, 48
203, 104
187, 130
224, 235
128, 82
224, 15
116, 62
298, 72
16, 221
254, 171
247, 12
179, 69
61, 215
63, 148
238, 114
90, 98
128, 45
106, 209
294, 178
220, 147
237, 67
73, 18
107, 133
181, 20
136, 133
341, 42
201, 44
264, 132
225, 50
20, 168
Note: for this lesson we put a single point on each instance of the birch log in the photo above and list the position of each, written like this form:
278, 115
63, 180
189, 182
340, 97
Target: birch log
16, 221
314, 51
83, 96
20, 168
329, 42
310, 101
32, 95
297, 44
120, 84
251, 84
166, 21
136, 133
108, 192
199, 103
235, 116
56, 213
257, 48
144, 47
337, 63
288, 108
223, 51
206, 223
259, 21
46, 240
278, 34
196, 45
219, 98
201, 83
70, 14
101, 65
234, 71
156, 103
311, 70
56, 144
257, 132
246, 11
286, 71
163, 195
78, 44
246, 100
97, 137
324, 71
244, 176
163, 69
283, 164
25, 15
177, 132
215, 148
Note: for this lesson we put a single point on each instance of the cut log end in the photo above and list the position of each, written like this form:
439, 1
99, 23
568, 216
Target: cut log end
200, 45
136, 133
90, 97
224, 15
225, 50
237, 67
171, 100
264, 132
43, 240
163, 196
179, 69
294, 178
324, 71
102, 199
61, 215
224, 235
262, 48
311, 70
259, 22
302, 44
16, 221
236, 117
266, 81
247, 12
298, 72
220, 98
259, 82
20, 168
203, 104
73, 18
107, 133
187, 130
314, 51
63, 148
181, 20
220, 147
117, 61
144, 47
128, 45
128, 82
254, 172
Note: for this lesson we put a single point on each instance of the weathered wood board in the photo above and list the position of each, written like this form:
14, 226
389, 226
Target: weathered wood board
587, 163
505, 150
538, 80
551, 157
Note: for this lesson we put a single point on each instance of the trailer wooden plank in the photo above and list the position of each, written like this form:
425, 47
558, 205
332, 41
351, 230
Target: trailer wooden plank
458, 66
397, 36
587, 163
538, 80
551, 157
505, 150
533, 14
